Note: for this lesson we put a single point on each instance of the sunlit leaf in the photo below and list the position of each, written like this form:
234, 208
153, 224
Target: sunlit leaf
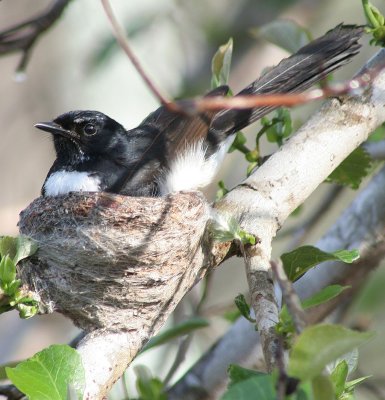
319, 345
178, 330
353, 169
48, 373
300, 260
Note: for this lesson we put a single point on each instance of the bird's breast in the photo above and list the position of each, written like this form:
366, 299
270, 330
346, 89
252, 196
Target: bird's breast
63, 182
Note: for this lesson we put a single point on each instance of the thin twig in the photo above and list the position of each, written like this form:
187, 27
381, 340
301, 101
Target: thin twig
123, 42
217, 103
179, 358
186, 342
290, 297
23, 36
10, 392
282, 376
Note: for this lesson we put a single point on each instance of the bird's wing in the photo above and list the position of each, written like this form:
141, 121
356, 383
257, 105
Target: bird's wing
176, 130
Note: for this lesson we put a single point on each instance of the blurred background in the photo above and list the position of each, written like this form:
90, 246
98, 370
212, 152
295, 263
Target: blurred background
76, 65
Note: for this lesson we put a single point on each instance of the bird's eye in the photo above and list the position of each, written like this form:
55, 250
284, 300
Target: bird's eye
89, 129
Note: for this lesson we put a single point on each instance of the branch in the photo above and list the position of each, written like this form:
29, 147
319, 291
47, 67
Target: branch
290, 297
362, 225
265, 199
123, 42
23, 36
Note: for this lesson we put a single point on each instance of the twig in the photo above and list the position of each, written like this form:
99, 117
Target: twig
123, 42
264, 303
11, 392
290, 297
23, 36
179, 358
217, 103
186, 342
282, 376
77, 339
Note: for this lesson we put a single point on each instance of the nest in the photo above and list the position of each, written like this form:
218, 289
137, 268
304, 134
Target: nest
115, 262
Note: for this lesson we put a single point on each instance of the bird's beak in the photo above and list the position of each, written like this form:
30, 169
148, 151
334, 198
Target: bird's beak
53, 128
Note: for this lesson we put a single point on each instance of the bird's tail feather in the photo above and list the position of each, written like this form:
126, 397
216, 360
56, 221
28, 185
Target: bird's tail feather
296, 73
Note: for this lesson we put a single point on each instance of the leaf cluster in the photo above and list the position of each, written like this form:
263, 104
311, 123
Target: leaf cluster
12, 296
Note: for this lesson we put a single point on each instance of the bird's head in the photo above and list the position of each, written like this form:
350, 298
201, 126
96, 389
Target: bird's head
83, 134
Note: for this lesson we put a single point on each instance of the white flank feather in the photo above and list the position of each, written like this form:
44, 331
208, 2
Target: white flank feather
192, 170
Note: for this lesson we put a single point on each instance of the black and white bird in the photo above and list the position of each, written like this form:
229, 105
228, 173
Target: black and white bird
170, 151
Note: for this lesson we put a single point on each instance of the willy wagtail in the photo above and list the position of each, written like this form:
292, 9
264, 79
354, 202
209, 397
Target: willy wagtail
171, 151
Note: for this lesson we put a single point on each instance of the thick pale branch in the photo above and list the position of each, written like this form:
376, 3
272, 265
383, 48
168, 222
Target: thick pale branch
264, 200
361, 226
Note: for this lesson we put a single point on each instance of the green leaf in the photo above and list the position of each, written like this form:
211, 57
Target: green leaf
352, 384
7, 272
27, 311
225, 228
239, 144
149, 388
222, 191
322, 388
353, 169
247, 238
178, 330
26, 247
152, 389
48, 373
350, 358
300, 260
8, 246
279, 127
338, 377
231, 315
321, 297
243, 307
258, 387
220, 65
238, 374
319, 345
251, 167
378, 134
346, 256
324, 295
286, 34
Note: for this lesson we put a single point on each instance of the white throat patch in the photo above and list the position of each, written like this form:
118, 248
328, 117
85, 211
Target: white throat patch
63, 182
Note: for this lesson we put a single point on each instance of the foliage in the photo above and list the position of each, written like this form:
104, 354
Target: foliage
376, 23
149, 388
12, 295
243, 307
300, 260
353, 169
286, 326
221, 63
225, 228
176, 331
50, 374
